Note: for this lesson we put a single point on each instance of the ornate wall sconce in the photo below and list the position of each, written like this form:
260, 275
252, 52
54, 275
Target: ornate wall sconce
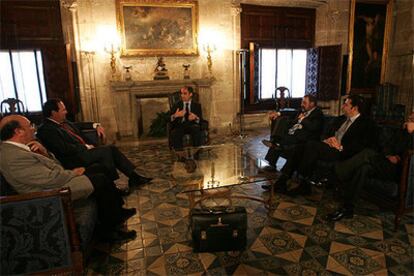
209, 48
112, 50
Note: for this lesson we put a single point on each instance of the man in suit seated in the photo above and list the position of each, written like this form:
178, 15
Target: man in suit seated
66, 142
349, 135
384, 163
285, 132
185, 117
28, 167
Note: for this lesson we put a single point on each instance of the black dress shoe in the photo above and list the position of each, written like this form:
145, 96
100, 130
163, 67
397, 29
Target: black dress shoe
117, 235
266, 187
127, 213
138, 180
302, 189
124, 192
340, 214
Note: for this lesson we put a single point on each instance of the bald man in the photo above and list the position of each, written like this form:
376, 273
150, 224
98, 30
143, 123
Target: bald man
29, 167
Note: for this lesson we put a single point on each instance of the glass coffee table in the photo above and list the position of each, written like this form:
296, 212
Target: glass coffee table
212, 171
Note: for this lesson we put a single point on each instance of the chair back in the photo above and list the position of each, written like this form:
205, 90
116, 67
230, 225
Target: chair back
283, 99
11, 106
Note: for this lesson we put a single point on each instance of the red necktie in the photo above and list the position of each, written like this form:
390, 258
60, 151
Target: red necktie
72, 133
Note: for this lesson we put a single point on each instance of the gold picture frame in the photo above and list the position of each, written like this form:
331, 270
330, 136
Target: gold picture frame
369, 31
157, 27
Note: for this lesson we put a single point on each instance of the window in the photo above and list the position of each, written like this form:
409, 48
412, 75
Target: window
282, 67
21, 77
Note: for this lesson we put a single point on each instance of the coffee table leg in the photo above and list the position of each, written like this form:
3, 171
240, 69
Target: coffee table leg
191, 199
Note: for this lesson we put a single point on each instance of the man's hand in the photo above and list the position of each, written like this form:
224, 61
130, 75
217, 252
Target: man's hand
179, 113
333, 143
89, 146
192, 117
101, 132
273, 115
394, 159
409, 126
36, 147
79, 171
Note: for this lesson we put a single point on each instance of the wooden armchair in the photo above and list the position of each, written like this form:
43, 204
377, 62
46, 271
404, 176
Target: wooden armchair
393, 195
38, 234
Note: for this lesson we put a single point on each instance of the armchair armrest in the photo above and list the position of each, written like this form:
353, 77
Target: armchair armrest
44, 223
89, 133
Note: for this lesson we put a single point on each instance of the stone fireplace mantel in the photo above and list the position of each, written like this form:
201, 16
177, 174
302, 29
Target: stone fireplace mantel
127, 95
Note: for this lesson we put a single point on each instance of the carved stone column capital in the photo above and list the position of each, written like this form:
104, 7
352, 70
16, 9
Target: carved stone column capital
71, 5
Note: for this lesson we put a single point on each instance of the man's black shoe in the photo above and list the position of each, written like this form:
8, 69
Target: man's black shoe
340, 214
302, 189
127, 213
124, 192
117, 235
138, 180
266, 187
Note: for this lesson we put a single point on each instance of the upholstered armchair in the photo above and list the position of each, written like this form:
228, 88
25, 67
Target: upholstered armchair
204, 125
38, 234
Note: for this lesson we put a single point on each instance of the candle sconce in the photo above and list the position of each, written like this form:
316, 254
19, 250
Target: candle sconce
209, 48
112, 50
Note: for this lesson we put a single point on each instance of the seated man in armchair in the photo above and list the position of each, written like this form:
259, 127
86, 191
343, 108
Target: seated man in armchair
65, 141
185, 117
29, 167
307, 125
384, 163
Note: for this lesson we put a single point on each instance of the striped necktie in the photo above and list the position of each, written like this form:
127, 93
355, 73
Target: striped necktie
342, 130
72, 133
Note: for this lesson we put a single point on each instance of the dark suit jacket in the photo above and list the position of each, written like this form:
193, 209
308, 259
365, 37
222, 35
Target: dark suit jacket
361, 134
311, 126
57, 140
194, 108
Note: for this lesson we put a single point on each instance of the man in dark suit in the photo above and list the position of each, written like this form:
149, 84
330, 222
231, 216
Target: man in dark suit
69, 146
29, 167
185, 118
285, 132
350, 134
384, 163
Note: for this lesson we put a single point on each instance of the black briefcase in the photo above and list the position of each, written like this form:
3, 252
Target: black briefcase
218, 228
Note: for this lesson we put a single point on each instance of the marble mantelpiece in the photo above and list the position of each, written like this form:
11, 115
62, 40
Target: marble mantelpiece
128, 95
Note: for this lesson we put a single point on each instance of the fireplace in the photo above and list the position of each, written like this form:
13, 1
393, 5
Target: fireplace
130, 96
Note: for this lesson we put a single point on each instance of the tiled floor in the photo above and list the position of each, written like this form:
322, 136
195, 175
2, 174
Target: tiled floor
295, 239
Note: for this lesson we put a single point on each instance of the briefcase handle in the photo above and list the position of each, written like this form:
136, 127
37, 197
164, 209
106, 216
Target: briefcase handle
202, 206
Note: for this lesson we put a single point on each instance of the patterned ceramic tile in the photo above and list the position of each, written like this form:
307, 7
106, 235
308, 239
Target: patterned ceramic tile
183, 263
296, 213
295, 239
347, 259
360, 225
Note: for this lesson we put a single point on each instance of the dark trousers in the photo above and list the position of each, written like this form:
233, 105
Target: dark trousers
108, 199
354, 172
178, 132
279, 135
314, 151
111, 158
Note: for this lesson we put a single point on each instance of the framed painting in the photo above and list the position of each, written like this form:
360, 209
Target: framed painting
158, 27
369, 30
